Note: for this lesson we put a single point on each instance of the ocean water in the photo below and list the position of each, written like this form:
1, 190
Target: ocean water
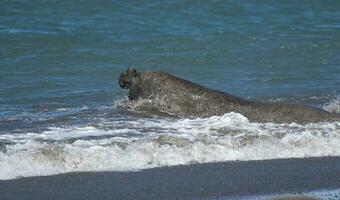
61, 109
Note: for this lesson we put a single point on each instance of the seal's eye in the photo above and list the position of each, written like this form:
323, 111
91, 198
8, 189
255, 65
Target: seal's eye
131, 72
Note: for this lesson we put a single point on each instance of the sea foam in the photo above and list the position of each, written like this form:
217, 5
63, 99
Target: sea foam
143, 143
334, 105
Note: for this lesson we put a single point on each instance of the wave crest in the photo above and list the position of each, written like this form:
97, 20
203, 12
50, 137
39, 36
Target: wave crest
145, 143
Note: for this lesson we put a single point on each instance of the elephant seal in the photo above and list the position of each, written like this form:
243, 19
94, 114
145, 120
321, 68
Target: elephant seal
184, 98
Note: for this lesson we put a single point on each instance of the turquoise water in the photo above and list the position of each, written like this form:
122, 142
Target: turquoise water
60, 60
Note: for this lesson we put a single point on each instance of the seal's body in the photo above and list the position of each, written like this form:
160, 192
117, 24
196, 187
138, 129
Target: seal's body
188, 99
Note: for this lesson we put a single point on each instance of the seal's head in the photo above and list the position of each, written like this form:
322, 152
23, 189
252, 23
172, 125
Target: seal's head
127, 78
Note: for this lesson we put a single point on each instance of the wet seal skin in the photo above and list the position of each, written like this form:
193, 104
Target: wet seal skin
186, 99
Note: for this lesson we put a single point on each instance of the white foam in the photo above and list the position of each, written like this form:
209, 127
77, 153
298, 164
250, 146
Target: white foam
145, 143
333, 106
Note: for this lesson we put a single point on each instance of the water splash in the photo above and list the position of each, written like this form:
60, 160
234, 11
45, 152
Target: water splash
140, 143
334, 105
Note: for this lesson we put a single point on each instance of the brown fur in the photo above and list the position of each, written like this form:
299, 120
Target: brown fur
188, 99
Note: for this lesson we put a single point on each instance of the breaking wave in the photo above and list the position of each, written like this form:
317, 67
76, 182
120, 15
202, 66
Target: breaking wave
140, 143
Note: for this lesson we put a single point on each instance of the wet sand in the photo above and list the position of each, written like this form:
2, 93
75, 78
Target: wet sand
198, 181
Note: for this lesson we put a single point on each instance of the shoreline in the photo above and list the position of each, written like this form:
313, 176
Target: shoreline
197, 181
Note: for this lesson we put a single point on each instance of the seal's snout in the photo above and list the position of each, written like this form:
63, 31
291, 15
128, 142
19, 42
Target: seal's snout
126, 78
122, 83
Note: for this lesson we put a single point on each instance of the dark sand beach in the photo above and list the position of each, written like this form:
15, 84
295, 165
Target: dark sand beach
225, 180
